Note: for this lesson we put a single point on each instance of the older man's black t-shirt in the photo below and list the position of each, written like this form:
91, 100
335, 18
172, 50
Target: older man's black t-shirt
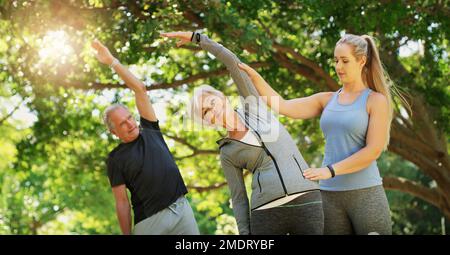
148, 170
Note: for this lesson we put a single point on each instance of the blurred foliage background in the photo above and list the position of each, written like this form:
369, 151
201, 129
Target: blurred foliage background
52, 93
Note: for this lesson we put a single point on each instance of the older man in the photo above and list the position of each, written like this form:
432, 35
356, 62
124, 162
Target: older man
143, 163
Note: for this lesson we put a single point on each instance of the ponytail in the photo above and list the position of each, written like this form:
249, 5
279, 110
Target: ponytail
374, 75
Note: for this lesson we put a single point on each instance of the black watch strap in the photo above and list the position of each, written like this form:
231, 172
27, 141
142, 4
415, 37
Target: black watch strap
330, 167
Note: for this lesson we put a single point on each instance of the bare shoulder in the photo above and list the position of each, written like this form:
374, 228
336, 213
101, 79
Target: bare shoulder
324, 97
377, 100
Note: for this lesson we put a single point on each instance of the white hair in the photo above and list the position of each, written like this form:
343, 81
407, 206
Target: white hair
195, 107
108, 111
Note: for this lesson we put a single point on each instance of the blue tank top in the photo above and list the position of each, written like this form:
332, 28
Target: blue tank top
345, 128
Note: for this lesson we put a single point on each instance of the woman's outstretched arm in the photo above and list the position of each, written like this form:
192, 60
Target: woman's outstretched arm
231, 61
298, 108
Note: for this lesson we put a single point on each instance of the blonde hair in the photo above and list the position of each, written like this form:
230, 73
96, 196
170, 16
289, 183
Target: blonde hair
195, 105
374, 75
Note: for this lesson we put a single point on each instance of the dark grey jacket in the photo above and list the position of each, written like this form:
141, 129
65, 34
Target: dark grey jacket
277, 166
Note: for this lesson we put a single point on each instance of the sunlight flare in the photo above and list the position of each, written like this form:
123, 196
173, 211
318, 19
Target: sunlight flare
55, 47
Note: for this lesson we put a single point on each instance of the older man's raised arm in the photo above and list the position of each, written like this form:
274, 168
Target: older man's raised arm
143, 103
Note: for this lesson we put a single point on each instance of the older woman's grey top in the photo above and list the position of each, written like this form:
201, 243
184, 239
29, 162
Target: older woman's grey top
277, 165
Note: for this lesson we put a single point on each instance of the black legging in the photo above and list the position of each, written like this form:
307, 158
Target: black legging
301, 216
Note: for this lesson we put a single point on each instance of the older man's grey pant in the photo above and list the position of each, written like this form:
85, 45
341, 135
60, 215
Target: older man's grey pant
177, 219
362, 212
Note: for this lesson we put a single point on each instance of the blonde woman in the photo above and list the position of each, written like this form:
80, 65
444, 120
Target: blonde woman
356, 122
283, 201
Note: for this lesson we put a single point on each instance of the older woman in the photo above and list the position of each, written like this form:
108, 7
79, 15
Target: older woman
283, 201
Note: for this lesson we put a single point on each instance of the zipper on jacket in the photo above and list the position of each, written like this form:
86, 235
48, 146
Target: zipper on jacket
275, 162
259, 183
298, 166
270, 155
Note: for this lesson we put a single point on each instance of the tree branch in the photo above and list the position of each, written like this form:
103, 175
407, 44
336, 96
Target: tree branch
162, 85
301, 69
207, 188
193, 17
307, 68
424, 163
195, 150
430, 195
434, 196
211, 187
409, 138
330, 82
9, 114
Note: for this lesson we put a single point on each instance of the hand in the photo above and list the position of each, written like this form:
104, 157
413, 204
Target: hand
315, 174
103, 55
184, 37
246, 68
